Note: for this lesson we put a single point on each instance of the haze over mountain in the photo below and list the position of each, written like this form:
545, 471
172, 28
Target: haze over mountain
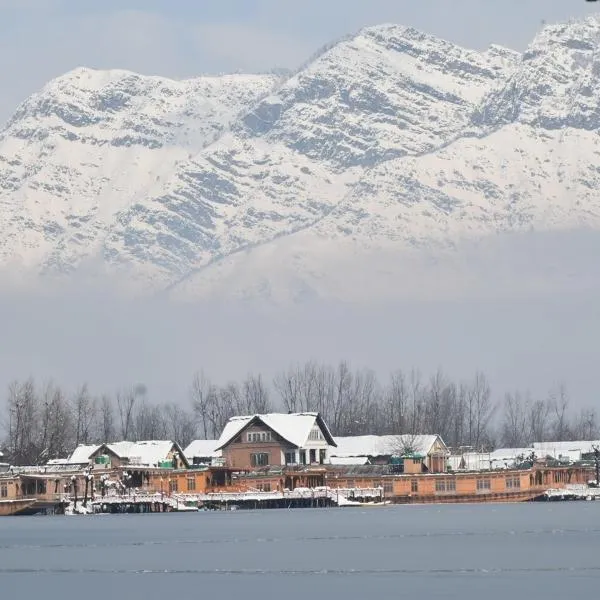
392, 167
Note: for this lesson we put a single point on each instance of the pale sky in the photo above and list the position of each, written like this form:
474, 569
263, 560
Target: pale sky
41, 39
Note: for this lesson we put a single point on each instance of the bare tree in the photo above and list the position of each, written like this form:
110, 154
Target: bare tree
180, 425
106, 423
256, 395
514, 421
23, 411
397, 399
586, 427
288, 386
481, 410
126, 400
56, 427
559, 402
85, 413
539, 413
148, 422
202, 395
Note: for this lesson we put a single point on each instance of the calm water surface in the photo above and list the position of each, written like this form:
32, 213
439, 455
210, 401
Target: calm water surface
549, 550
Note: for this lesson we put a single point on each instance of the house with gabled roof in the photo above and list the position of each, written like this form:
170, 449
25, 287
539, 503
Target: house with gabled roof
203, 453
275, 439
149, 454
417, 453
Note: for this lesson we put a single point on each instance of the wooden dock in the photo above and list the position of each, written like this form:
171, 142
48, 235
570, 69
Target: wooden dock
31, 506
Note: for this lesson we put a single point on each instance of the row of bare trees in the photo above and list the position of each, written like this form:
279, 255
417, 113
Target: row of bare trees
526, 419
45, 422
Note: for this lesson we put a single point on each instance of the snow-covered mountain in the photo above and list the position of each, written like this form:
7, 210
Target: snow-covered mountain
390, 147
91, 143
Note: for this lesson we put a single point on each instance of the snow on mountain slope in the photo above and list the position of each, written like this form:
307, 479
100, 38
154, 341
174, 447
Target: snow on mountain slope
375, 158
534, 164
515, 179
528, 161
557, 84
385, 92
388, 91
92, 142
235, 196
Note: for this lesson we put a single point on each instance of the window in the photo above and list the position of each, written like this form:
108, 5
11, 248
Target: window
513, 482
302, 457
259, 459
259, 436
322, 455
263, 487
483, 485
445, 485
313, 456
414, 486
3, 490
290, 457
315, 434
191, 484
173, 487
388, 487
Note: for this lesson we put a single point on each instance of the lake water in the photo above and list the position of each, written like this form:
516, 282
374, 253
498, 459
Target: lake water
549, 550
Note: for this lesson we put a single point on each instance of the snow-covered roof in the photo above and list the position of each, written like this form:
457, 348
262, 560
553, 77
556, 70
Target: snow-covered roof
348, 460
202, 448
121, 449
81, 454
571, 450
293, 427
509, 454
148, 453
382, 445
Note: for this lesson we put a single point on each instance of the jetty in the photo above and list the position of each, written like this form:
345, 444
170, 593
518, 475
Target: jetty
572, 492
252, 499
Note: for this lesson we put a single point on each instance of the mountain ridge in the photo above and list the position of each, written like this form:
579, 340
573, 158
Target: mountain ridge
387, 139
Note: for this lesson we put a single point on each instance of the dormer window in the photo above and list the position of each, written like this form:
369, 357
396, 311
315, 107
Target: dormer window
259, 436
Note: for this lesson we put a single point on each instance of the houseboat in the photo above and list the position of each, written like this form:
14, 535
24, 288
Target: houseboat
279, 460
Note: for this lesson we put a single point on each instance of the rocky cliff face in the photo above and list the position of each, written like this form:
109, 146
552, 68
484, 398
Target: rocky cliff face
385, 144
90, 143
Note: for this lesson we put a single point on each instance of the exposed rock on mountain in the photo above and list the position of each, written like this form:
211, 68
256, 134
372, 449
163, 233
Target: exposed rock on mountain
390, 146
91, 143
